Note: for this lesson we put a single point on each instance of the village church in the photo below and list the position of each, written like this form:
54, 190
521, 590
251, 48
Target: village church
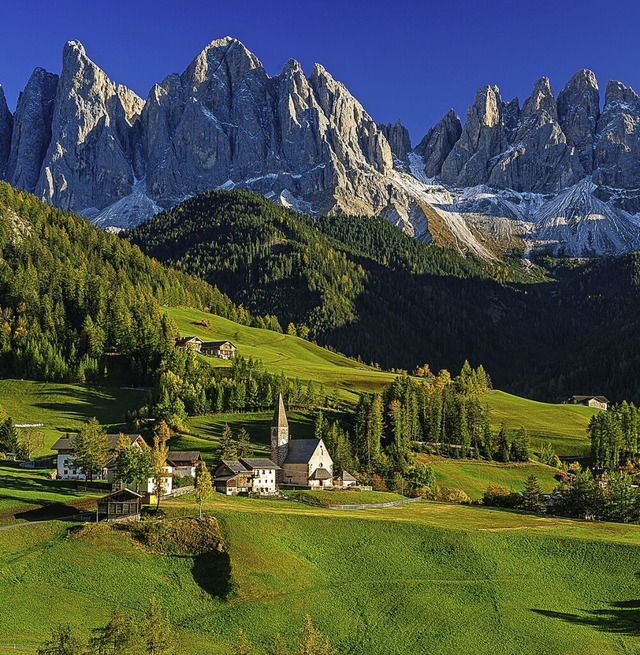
303, 462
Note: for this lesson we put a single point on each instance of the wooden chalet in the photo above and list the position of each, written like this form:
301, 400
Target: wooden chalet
189, 343
121, 504
598, 402
220, 349
232, 478
184, 462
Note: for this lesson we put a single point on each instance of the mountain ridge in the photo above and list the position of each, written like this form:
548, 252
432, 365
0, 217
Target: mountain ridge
496, 185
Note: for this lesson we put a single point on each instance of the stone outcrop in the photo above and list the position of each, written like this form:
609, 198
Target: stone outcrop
88, 164
538, 158
438, 143
399, 140
617, 150
482, 140
578, 113
32, 130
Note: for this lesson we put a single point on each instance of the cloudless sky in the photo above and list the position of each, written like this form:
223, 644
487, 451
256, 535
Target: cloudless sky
403, 59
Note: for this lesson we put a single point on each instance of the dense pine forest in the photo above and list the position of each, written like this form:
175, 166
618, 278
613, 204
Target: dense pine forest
77, 304
362, 287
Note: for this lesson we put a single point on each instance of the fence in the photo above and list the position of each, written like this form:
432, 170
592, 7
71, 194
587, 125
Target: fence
180, 491
392, 503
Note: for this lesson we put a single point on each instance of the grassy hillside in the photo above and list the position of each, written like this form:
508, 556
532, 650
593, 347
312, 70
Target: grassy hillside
31, 496
564, 426
424, 578
281, 352
65, 407
474, 477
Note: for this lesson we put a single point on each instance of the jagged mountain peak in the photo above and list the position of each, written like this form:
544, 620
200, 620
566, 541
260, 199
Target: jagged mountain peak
226, 55
616, 92
583, 80
73, 48
541, 100
84, 142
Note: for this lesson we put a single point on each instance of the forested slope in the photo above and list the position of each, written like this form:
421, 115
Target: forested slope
364, 288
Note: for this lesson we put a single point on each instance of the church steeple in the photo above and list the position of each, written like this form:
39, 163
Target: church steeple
279, 433
280, 416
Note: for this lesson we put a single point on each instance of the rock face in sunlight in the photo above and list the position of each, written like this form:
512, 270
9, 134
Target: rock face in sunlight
554, 174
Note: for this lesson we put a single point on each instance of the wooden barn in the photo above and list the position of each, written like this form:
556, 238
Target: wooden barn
119, 505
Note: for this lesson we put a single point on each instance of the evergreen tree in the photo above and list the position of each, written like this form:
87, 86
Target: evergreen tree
313, 642
532, 499
120, 636
157, 630
244, 447
9, 441
228, 448
520, 447
504, 449
63, 641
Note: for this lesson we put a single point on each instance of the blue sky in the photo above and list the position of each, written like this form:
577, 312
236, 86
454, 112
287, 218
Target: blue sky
407, 60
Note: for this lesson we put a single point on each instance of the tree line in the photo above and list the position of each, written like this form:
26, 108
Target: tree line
614, 436
152, 633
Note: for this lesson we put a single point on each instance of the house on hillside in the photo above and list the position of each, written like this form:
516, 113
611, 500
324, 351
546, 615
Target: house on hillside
183, 463
243, 476
598, 402
189, 343
304, 462
220, 349
65, 460
120, 504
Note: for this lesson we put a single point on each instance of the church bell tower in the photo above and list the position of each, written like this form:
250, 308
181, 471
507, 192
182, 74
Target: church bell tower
279, 434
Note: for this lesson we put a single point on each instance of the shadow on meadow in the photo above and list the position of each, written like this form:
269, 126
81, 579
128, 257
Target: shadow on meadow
212, 573
88, 402
622, 618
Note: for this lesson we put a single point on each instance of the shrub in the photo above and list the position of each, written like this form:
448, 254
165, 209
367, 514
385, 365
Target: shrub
447, 495
496, 495
88, 531
184, 536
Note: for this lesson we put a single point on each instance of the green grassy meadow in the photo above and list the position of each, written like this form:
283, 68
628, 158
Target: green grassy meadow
281, 352
65, 407
563, 426
474, 476
425, 578
28, 495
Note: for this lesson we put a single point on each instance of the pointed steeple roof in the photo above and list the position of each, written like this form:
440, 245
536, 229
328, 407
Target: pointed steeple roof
280, 416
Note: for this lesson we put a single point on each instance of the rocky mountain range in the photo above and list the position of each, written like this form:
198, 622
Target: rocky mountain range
556, 174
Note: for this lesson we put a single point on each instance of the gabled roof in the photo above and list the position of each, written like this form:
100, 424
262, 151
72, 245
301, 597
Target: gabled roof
580, 399
216, 344
68, 441
257, 463
347, 477
301, 450
190, 456
320, 474
235, 466
128, 494
183, 341
280, 416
